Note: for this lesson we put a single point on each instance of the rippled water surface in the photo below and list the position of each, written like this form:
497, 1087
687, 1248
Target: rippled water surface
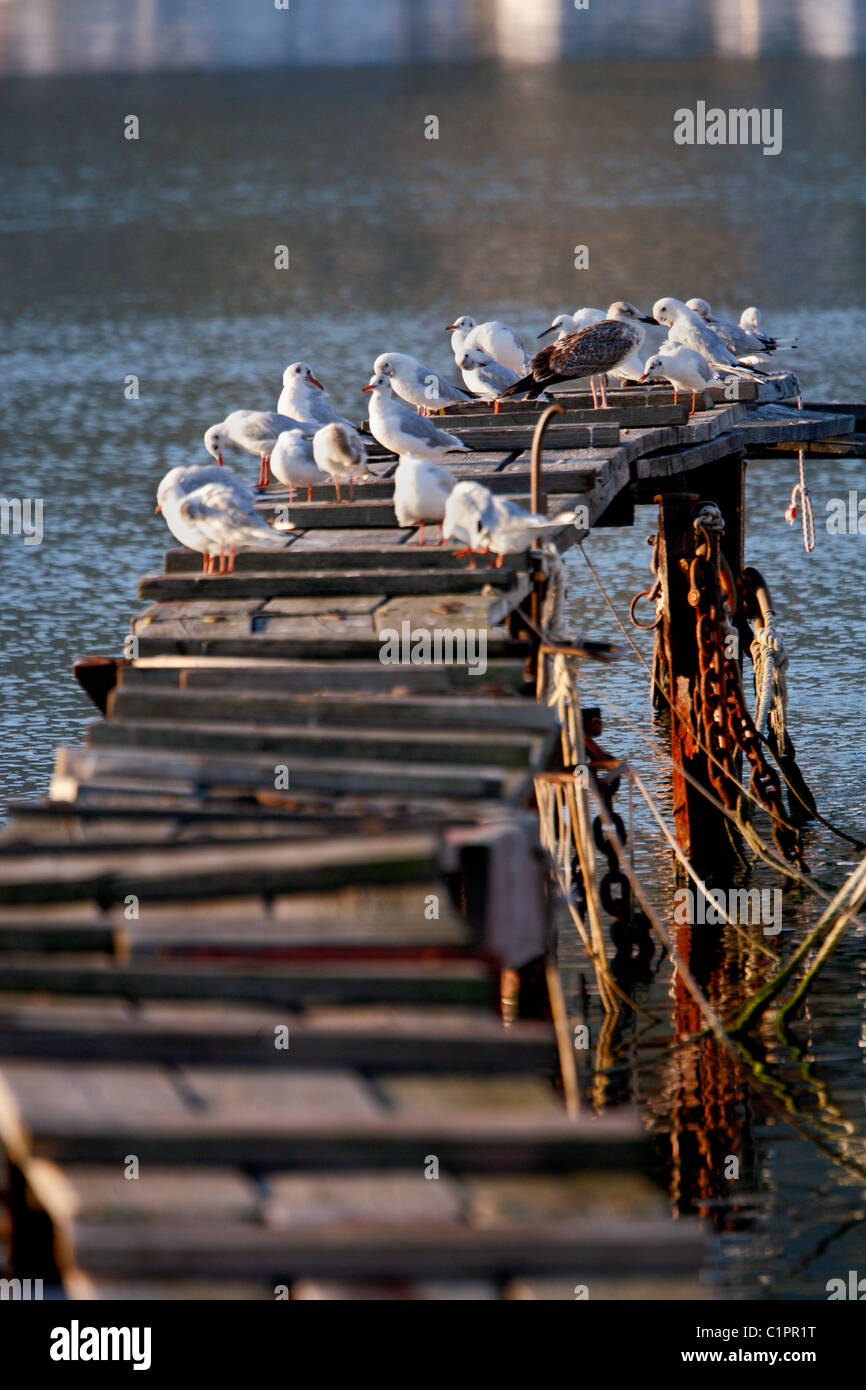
155, 258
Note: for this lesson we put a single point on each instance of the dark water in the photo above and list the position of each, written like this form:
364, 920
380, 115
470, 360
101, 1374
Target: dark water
155, 258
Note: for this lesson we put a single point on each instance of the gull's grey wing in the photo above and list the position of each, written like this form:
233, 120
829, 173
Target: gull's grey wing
422, 428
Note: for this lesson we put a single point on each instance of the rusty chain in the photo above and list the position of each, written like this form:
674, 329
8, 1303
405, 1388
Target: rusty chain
725, 721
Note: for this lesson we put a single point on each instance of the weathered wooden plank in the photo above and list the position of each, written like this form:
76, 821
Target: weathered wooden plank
506, 748
626, 414
96, 1113
375, 919
457, 578
501, 677
774, 424
301, 985
499, 435
666, 465
184, 872
218, 775
389, 711
357, 629
579, 1247
311, 553
194, 1033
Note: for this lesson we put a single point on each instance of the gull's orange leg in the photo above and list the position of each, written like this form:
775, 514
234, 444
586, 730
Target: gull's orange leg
231, 564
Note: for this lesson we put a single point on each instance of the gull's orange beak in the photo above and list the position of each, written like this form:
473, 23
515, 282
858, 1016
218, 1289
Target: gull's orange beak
317, 383
366, 388
157, 509
450, 327
220, 461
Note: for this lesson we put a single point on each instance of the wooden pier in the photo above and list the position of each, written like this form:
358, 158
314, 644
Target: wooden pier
252, 943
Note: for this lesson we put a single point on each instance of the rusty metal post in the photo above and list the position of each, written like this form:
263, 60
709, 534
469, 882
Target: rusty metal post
535, 506
700, 827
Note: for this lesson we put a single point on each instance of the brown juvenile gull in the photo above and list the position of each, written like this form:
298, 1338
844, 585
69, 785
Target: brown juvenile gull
591, 352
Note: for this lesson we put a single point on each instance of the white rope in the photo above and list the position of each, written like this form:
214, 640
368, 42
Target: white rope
801, 499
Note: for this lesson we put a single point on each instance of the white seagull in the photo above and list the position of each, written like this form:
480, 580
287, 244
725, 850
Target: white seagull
213, 511
304, 397
399, 429
293, 463
685, 369
256, 431
417, 384
692, 331
564, 324
496, 339
421, 492
508, 529
483, 376
464, 509
339, 450
748, 344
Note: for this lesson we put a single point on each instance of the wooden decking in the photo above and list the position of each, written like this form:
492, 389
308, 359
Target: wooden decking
251, 943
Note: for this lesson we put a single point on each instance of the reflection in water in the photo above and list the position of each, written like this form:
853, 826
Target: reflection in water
52, 36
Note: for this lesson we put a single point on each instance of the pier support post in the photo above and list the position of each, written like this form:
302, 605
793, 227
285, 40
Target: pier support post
700, 827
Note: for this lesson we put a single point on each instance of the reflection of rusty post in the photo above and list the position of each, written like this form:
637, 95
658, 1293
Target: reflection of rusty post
700, 827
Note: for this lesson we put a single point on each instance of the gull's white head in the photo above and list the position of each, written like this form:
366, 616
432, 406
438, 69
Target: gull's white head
464, 324
699, 307
214, 442
378, 382
653, 367
298, 372
474, 358
389, 363
750, 319
626, 312
667, 311
563, 323
169, 485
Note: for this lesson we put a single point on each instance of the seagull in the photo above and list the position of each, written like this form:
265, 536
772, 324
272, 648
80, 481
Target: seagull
743, 342
304, 397
508, 529
496, 339
464, 509
417, 384
564, 324
421, 491
213, 511
591, 352
684, 368
487, 522
632, 368
256, 431
293, 463
340, 451
689, 328
399, 429
483, 376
